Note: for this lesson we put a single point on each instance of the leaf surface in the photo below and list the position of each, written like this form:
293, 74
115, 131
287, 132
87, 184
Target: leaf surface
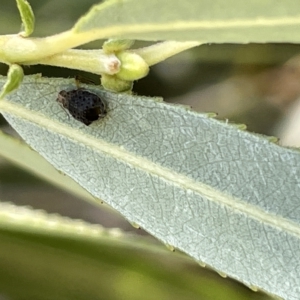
226, 197
206, 21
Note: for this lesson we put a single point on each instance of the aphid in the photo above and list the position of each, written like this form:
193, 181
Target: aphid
83, 105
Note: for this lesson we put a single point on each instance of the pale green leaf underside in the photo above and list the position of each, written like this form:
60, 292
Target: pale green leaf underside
207, 21
21, 155
224, 196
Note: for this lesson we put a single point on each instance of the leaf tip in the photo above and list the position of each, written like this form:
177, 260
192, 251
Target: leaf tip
14, 78
27, 17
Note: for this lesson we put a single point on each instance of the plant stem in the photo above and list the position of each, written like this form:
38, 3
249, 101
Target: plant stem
17, 49
94, 61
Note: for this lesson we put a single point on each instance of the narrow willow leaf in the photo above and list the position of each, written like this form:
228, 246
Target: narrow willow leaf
14, 78
85, 257
27, 17
160, 51
218, 22
226, 197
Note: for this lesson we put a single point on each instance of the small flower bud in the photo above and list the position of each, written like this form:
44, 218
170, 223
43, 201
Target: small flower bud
133, 67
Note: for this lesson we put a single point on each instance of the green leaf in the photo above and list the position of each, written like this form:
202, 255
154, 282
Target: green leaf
206, 21
14, 78
49, 257
27, 17
226, 197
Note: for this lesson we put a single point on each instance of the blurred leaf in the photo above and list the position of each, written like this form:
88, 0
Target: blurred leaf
226, 197
220, 21
262, 55
49, 257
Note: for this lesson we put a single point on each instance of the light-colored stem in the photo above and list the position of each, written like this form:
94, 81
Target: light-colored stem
94, 61
161, 51
55, 50
17, 49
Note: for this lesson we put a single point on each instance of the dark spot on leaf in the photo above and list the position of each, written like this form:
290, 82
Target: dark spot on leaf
83, 105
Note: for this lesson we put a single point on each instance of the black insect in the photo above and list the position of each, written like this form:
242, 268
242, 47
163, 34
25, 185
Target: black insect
83, 105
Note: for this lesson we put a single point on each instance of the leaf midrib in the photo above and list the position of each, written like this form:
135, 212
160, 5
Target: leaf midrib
183, 25
150, 167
